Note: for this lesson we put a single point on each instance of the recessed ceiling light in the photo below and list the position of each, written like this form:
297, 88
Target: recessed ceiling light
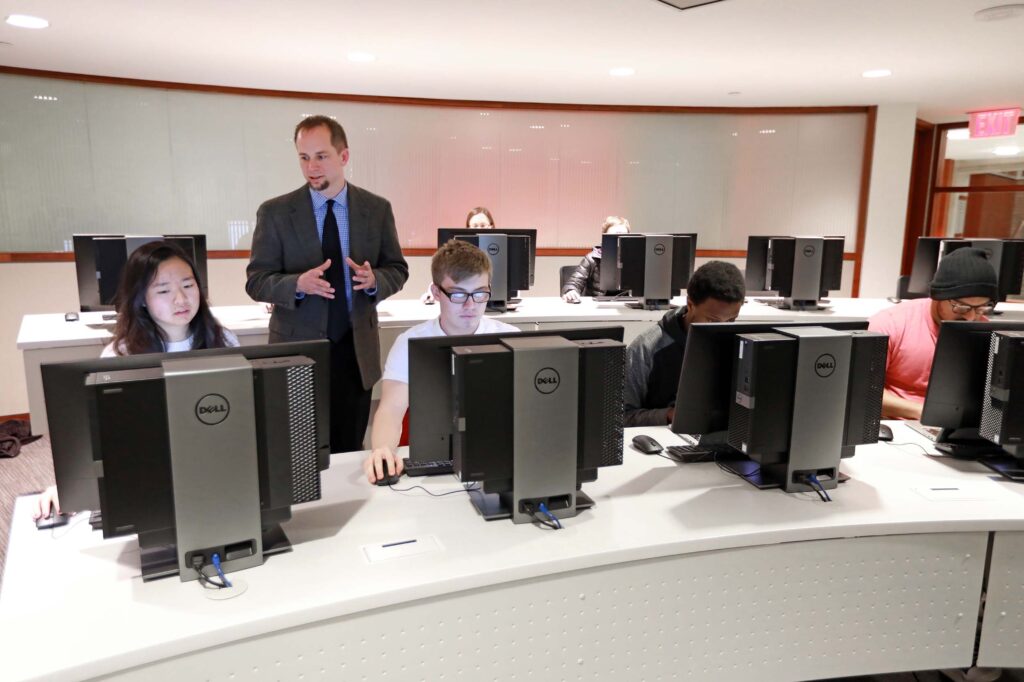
999, 12
958, 134
877, 73
622, 71
361, 57
1012, 150
26, 21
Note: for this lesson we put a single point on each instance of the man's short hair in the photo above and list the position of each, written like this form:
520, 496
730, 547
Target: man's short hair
719, 280
338, 139
459, 260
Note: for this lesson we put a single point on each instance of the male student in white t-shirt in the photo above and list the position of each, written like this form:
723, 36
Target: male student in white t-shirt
461, 286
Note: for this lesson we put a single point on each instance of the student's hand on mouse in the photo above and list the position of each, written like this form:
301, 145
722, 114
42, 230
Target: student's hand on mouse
571, 296
46, 500
373, 465
312, 282
427, 298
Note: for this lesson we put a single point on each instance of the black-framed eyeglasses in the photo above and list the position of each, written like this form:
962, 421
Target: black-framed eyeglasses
961, 308
460, 297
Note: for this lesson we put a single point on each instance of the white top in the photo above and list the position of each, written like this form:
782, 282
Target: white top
397, 366
230, 341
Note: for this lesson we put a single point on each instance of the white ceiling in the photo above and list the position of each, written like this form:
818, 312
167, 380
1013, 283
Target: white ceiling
773, 52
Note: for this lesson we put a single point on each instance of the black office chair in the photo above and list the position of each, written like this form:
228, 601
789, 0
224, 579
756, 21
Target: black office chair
564, 273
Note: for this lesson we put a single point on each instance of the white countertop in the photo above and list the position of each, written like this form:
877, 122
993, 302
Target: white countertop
52, 331
649, 507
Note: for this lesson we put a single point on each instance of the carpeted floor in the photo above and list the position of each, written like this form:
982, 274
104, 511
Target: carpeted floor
29, 472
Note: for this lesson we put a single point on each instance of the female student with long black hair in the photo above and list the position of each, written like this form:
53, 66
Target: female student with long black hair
160, 309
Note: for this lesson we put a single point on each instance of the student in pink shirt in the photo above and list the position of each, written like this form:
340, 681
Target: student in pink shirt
965, 287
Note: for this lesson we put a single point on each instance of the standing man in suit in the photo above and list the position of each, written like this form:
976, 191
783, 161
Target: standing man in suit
324, 255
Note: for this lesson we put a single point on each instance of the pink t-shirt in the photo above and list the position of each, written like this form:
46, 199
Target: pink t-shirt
912, 335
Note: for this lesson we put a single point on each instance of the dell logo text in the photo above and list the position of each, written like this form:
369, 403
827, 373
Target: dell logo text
212, 409
546, 380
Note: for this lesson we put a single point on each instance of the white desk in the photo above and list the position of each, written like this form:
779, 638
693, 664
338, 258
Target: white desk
679, 570
49, 338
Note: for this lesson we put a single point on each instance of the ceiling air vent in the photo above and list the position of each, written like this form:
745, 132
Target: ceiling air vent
687, 4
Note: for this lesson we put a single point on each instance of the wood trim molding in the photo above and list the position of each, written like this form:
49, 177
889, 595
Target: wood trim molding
865, 191
37, 257
980, 188
425, 101
24, 416
917, 196
67, 257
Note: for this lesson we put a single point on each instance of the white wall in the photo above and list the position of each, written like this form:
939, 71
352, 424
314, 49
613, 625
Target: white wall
151, 161
887, 199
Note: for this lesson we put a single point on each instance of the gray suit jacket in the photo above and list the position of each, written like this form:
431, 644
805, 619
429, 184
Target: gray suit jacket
286, 244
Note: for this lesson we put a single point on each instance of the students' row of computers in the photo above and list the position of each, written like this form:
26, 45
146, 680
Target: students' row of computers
642, 270
204, 452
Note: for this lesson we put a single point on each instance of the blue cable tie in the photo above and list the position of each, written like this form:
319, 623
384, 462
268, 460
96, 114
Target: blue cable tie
220, 571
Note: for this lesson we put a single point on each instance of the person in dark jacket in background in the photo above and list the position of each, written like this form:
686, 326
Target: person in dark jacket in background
655, 358
586, 281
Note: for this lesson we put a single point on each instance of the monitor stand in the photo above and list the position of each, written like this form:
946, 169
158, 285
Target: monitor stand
750, 471
509, 306
621, 297
1007, 466
966, 443
495, 506
651, 304
795, 304
161, 561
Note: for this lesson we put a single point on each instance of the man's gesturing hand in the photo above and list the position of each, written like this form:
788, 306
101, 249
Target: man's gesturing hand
312, 282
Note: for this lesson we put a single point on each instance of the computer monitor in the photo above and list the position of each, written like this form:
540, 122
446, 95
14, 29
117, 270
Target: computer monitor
527, 416
1006, 256
100, 258
655, 267
195, 452
446, 234
796, 381
956, 396
509, 255
927, 253
801, 269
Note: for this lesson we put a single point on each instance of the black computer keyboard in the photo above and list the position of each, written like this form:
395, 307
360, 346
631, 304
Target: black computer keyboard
432, 468
691, 454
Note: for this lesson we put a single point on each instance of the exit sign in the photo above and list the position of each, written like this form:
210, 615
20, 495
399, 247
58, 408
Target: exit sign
997, 123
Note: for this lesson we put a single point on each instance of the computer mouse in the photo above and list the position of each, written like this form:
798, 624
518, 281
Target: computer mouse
71, 317
388, 478
884, 432
52, 521
576, 301
646, 444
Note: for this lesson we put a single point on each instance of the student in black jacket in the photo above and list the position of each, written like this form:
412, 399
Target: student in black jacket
655, 358
586, 281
